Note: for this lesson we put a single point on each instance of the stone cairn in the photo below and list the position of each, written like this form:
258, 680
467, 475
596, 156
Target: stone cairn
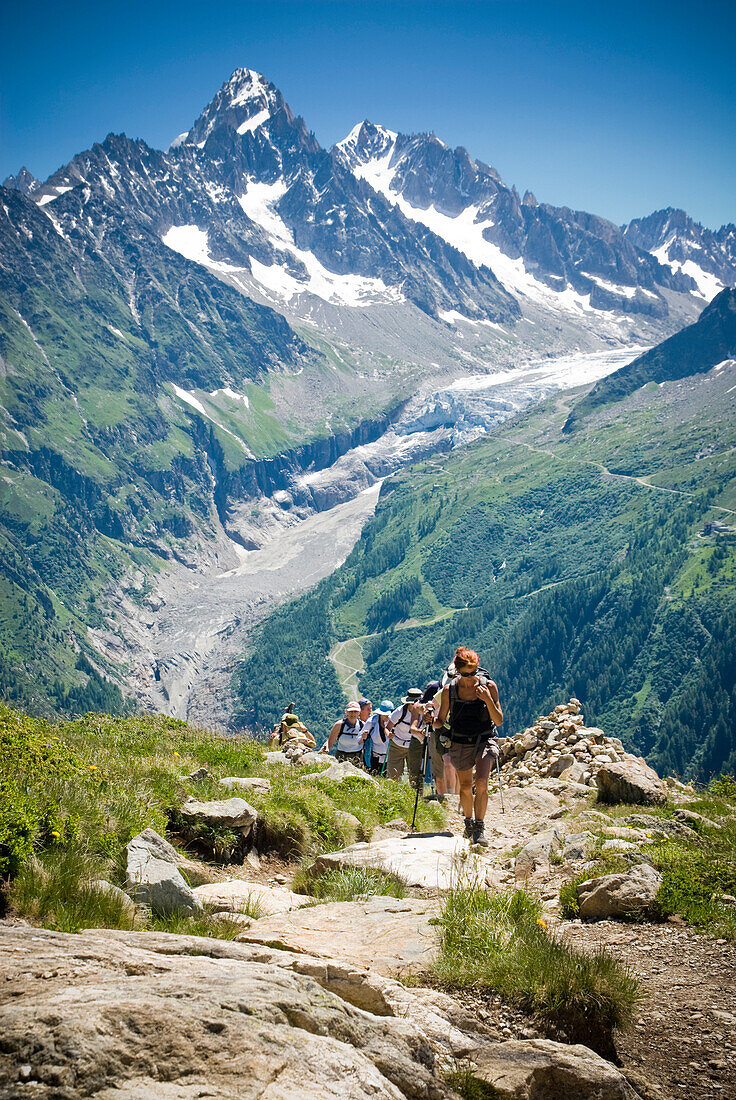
560, 746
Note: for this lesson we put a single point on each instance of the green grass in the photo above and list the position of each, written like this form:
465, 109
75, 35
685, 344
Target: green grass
72, 794
55, 890
351, 883
500, 943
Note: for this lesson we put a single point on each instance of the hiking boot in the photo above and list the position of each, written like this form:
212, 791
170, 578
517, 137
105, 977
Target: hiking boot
479, 834
469, 827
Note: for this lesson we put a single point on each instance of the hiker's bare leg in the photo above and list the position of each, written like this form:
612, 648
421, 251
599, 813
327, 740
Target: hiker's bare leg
481, 798
466, 791
483, 763
440, 785
451, 782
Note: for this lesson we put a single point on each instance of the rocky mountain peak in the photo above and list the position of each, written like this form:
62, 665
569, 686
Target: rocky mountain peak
25, 182
366, 141
244, 103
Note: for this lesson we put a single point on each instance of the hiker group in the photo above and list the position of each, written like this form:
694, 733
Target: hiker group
451, 726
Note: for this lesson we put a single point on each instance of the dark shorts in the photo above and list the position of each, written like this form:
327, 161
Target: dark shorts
377, 764
351, 757
464, 757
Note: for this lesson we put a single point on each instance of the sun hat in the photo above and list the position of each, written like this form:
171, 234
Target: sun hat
363, 701
386, 707
353, 705
290, 720
413, 695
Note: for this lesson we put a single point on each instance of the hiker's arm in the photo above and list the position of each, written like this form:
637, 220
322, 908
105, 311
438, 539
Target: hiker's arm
489, 694
439, 721
311, 738
334, 734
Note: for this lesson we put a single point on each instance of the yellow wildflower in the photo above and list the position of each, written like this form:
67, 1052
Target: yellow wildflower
176, 754
93, 767
541, 923
57, 835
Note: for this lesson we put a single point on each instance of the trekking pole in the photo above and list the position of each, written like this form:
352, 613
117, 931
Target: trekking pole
500, 784
420, 780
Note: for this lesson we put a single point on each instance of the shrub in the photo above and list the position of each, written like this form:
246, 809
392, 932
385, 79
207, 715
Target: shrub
500, 942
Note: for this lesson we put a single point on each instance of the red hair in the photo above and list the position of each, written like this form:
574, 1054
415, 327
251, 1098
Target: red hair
466, 658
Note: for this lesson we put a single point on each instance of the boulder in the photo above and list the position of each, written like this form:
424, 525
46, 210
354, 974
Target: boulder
540, 1069
433, 862
578, 847
154, 1015
630, 780
153, 878
246, 783
389, 935
338, 772
664, 826
238, 896
631, 894
230, 813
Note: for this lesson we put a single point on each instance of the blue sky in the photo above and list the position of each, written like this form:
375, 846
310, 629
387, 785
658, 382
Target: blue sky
615, 108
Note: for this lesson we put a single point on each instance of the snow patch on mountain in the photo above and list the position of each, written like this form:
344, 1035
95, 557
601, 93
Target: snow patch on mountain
708, 284
253, 123
465, 233
259, 204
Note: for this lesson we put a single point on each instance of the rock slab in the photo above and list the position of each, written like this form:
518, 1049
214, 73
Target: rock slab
389, 935
434, 862
152, 875
141, 1015
629, 894
237, 896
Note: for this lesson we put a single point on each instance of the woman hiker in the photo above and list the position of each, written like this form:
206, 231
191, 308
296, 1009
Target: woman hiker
471, 707
346, 736
375, 736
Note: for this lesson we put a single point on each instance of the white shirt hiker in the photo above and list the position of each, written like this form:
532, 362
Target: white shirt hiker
350, 738
379, 741
402, 729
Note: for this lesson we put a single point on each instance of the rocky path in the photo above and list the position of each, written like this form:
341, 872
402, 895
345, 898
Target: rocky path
684, 1037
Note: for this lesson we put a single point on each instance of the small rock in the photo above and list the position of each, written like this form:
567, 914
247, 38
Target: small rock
231, 813
246, 783
199, 775
153, 876
105, 887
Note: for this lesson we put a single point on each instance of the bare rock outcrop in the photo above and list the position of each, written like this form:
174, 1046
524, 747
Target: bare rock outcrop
139, 1015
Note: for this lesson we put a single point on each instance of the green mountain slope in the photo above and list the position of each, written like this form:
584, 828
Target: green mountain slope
590, 564
693, 350
105, 468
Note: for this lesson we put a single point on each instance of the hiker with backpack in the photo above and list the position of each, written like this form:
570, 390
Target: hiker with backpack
375, 736
292, 737
471, 709
400, 733
346, 737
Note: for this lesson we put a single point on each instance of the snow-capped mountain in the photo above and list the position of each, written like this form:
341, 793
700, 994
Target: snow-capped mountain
708, 257
551, 256
25, 182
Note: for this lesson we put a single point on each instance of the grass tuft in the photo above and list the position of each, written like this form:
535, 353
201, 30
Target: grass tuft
55, 889
500, 942
351, 884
